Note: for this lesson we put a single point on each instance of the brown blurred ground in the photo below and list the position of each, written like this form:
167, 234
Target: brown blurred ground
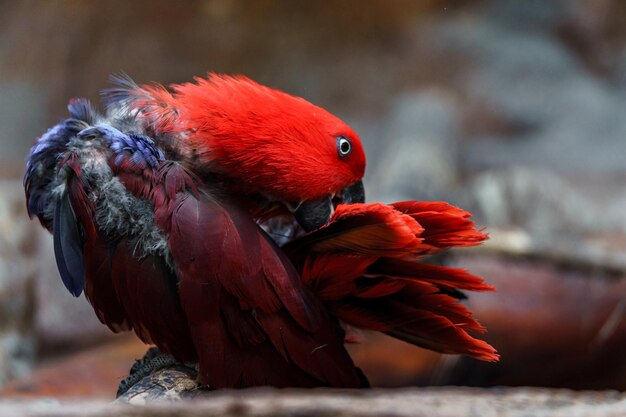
94, 373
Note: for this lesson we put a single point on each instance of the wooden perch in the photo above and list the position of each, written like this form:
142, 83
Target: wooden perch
169, 384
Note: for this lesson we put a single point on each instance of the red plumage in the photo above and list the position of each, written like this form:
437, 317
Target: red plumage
365, 265
148, 290
238, 295
99, 288
211, 285
283, 145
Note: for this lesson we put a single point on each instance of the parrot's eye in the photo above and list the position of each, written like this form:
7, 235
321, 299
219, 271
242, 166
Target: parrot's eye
344, 146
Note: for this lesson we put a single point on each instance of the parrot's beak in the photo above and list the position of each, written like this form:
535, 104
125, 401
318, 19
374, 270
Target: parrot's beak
312, 215
354, 193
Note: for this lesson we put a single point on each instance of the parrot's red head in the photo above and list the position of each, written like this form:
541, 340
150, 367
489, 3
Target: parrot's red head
276, 144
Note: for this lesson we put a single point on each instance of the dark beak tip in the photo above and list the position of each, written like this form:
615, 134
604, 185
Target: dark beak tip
354, 193
314, 214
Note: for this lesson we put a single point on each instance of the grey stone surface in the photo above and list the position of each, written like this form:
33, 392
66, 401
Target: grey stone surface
436, 402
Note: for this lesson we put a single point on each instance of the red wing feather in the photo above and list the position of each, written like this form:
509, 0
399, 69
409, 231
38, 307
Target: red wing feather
99, 289
147, 288
367, 229
444, 225
226, 265
418, 322
442, 276
343, 268
363, 265
250, 357
320, 354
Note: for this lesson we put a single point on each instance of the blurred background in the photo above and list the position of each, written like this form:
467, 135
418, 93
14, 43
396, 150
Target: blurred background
515, 110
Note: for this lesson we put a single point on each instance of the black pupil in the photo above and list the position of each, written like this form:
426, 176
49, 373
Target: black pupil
345, 146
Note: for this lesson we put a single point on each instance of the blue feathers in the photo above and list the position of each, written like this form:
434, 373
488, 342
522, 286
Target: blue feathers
139, 149
82, 109
68, 246
42, 160
60, 176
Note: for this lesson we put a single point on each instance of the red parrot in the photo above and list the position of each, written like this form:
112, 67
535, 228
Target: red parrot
224, 222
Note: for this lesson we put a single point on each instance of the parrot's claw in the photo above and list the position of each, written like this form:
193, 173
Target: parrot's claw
151, 362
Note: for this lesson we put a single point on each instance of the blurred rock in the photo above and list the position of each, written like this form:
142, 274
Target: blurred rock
529, 14
543, 132
564, 117
419, 151
555, 220
17, 284
527, 76
557, 326
585, 34
586, 27
537, 201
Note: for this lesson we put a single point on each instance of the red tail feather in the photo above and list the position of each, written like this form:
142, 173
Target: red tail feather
363, 265
442, 276
444, 225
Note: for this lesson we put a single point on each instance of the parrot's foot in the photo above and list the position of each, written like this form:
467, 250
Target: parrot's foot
151, 362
